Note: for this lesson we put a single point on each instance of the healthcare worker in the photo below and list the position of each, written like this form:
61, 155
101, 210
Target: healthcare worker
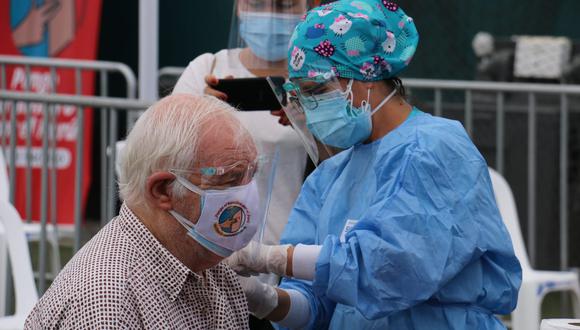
401, 229
258, 44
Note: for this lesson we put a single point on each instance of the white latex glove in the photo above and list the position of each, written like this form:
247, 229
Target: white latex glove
258, 258
262, 298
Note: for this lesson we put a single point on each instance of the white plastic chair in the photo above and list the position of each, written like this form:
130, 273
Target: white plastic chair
24, 286
535, 283
4, 187
33, 230
4, 193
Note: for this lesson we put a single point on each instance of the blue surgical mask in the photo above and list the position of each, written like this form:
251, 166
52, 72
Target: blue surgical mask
268, 34
336, 122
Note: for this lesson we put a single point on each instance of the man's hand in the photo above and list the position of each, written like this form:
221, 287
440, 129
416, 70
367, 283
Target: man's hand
259, 258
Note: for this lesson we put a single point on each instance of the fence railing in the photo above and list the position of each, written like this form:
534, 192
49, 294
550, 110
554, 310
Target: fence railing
40, 79
113, 106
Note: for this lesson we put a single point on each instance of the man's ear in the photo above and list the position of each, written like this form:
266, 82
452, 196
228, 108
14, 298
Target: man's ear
158, 190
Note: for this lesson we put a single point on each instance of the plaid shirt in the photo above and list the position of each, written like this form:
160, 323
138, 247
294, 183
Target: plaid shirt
124, 278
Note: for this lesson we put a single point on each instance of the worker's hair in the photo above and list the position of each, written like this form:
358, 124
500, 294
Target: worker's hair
167, 136
397, 83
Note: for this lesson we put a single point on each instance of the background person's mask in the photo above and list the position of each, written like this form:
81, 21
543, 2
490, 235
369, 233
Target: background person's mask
228, 219
268, 34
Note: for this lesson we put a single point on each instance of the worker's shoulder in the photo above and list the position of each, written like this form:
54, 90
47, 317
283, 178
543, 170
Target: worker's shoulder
443, 136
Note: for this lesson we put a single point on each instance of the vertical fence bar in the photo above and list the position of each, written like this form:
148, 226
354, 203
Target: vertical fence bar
500, 133
469, 113
564, 181
104, 172
438, 103
5, 285
111, 195
28, 150
4, 113
54, 144
532, 177
43, 202
79, 163
12, 162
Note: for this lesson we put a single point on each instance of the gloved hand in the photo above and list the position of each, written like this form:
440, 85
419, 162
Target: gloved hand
259, 258
262, 298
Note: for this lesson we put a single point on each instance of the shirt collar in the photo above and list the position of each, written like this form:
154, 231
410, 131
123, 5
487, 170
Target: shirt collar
157, 261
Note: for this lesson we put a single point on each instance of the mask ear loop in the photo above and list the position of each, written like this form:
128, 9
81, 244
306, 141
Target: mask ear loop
365, 104
383, 102
182, 220
348, 93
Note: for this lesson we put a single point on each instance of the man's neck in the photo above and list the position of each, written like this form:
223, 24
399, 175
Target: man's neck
174, 238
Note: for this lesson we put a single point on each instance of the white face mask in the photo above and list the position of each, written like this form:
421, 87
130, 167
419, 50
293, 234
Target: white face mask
229, 218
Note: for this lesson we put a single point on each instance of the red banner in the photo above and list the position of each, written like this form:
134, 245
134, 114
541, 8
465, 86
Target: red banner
67, 29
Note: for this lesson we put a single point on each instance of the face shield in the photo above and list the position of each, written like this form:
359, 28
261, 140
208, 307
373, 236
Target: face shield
312, 105
261, 30
234, 199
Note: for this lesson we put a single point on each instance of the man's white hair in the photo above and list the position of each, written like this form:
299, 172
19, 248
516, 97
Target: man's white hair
167, 136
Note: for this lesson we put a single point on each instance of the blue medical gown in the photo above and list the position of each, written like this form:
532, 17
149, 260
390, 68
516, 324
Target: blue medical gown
429, 250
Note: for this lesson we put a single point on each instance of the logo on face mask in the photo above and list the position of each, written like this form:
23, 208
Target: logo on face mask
231, 219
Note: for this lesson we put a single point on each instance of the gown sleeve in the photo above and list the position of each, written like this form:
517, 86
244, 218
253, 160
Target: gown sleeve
422, 228
302, 228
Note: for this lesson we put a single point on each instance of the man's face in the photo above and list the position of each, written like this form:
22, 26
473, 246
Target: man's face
221, 149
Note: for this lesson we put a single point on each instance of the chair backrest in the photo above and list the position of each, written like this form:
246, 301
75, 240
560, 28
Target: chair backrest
4, 185
19, 255
509, 213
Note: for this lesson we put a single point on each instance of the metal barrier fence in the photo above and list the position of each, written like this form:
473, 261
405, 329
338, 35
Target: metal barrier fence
499, 90
42, 76
113, 106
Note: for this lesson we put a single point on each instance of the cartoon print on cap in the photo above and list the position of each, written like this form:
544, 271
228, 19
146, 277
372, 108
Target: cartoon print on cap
390, 5
297, 58
390, 44
324, 11
354, 46
381, 63
315, 31
341, 25
407, 53
360, 5
358, 15
368, 70
325, 48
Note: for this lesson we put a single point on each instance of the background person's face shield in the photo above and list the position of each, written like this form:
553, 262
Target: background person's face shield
234, 201
301, 99
263, 29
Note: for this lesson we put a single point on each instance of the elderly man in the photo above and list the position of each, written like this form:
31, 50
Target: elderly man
156, 265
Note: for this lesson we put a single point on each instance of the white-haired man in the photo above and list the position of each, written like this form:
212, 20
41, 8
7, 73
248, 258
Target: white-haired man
153, 266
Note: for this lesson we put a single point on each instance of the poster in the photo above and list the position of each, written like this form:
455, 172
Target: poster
66, 29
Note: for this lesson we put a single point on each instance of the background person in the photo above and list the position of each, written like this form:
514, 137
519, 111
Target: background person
153, 266
259, 37
399, 231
